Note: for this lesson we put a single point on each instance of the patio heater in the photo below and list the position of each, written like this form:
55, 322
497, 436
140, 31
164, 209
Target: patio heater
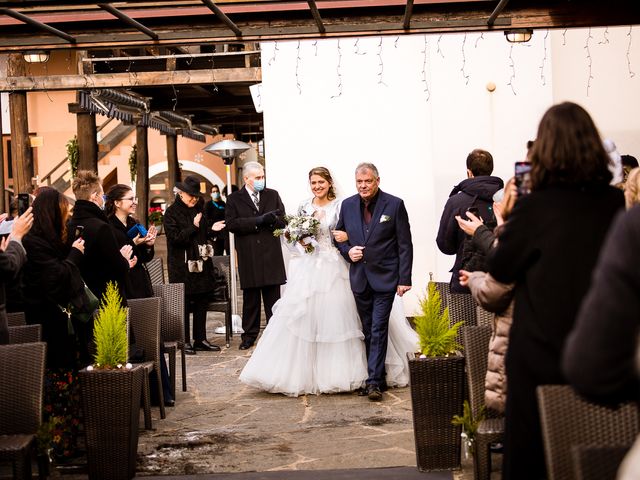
229, 150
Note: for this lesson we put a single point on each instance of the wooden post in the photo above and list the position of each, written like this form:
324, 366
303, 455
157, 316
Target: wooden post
3, 204
20, 145
87, 141
173, 168
142, 174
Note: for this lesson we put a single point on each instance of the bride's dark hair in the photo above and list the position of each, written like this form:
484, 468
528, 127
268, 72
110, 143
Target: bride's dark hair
324, 173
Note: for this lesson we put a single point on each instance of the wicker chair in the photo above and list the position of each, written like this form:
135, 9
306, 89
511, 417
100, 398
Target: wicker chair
25, 334
144, 316
490, 430
155, 269
222, 264
569, 421
21, 391
16, 319
484, 317
597, 462
172, 328
462, 308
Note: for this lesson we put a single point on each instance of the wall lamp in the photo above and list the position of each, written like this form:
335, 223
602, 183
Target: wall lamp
35, 56
518, 35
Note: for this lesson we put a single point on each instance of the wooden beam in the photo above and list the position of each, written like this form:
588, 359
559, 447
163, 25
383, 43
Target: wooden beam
142, 174
222, 16
496, 12
37, 24
87, 141
173, 167
128, 20
220, 76
408, 11
316, 16
21, 157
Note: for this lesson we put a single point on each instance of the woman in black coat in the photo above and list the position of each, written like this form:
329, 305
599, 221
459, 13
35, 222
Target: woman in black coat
187, 229
120, 205
215, 212
52, 281
549, 248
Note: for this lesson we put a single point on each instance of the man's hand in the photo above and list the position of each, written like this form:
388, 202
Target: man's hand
401, 289
469, 226
356, 253
340, 236
22, 225
266, 218
216, 227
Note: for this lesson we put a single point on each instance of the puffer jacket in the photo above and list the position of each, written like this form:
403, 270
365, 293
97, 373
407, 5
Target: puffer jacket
498, 298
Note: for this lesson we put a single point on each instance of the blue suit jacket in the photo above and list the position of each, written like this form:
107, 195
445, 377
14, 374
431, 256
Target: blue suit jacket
388, 253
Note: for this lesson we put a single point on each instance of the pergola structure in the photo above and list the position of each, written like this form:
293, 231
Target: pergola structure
132, 55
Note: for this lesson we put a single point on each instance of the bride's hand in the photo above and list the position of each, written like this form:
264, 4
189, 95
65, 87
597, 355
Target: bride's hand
340, 236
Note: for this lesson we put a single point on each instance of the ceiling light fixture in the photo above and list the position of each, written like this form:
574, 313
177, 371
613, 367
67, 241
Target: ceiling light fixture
35, 56
519, 35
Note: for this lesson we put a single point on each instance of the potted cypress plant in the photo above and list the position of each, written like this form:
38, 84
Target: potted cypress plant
111, 390
437, 386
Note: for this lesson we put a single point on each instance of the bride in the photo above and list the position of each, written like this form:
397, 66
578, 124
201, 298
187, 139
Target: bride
314, 342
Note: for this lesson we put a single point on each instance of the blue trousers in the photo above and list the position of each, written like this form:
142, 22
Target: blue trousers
374, 309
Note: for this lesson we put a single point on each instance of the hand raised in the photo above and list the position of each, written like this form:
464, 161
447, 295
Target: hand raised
469, 226
78, 244
22, 224
126, 252
196, 219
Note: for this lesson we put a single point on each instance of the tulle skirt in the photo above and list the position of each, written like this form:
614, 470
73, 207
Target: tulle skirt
314, 343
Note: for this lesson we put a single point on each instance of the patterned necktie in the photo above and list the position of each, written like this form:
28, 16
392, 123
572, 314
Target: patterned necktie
254, 195
367, 213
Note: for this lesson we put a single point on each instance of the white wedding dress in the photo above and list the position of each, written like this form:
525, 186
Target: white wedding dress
314, 342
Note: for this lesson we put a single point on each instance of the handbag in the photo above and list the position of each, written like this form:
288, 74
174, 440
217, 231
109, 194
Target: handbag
83, 314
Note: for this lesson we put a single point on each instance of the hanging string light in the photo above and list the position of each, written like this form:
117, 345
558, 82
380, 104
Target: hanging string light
564, 37
426, 90
464, 61
315, 44
356, 47
438, 45
297, 68
395, 43
631, 73
481, 37
589, 60
605, 36
512, 66
339, 73
544, 59
380, 64
275, 51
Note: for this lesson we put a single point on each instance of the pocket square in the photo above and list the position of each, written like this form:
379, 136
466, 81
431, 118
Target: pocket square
384, 218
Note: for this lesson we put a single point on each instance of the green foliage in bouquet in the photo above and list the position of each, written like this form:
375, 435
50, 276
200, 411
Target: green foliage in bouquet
437, 338
110, 331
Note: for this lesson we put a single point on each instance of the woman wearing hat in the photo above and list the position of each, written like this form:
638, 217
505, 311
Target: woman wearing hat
187, 230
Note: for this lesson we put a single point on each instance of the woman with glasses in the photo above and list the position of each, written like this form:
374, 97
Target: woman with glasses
120, 206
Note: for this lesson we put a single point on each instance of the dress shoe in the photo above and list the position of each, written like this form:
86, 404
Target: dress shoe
205, 346
374, 393
188, 349
170, 403
246, 345
361, 392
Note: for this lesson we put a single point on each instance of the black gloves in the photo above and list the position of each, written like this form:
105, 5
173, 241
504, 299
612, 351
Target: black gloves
267, 218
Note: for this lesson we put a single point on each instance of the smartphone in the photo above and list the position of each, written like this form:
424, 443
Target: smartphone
78, 233
475, 211
136, 230
523, 178
23, 202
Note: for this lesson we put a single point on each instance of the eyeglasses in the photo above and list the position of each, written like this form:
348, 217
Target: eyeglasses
131, 199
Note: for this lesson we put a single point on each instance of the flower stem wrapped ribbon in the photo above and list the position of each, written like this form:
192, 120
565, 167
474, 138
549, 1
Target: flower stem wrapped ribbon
300, 230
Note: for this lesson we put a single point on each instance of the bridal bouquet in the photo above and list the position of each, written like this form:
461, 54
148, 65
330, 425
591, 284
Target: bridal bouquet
300, 229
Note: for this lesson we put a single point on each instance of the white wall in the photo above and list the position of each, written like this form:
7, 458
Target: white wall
420, 144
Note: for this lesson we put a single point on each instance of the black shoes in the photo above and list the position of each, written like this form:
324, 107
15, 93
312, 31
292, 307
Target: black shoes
205, 346
188, 349
374, 393
246, 345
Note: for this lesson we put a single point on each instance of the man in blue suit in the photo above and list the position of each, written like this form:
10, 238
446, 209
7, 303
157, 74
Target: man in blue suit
380, 252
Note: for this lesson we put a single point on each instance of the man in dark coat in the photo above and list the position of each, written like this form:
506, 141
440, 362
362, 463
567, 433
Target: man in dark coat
380, 253
103, 261
253, 213
476, 192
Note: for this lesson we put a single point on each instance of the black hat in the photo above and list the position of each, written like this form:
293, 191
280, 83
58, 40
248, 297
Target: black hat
191, 185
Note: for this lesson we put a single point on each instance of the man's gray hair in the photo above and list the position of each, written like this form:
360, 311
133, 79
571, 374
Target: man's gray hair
251, 167
367, 166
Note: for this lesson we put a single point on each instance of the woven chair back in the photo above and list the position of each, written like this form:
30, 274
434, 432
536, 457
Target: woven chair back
172, 311
16, 319
155, 268
144, 316
25, 334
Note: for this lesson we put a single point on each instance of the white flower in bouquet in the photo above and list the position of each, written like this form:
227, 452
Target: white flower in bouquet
300, 229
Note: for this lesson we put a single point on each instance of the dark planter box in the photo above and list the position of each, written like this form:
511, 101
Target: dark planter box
111, 404
437, 394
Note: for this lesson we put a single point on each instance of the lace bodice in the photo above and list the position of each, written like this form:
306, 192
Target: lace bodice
328, 217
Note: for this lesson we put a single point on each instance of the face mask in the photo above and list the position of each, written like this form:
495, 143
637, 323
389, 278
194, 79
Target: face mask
258, 185
215, 195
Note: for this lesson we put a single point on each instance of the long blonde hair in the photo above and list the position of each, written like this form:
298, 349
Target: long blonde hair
632, 188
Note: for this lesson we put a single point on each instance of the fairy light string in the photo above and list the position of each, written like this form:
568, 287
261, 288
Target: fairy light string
512, 66
426, 90
339, 94
481, 37
631, 73
464, 61
544, 59
298, 60
380, 65
589, 60
439, 50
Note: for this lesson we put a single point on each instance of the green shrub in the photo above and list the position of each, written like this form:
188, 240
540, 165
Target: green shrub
437, 337
110, 330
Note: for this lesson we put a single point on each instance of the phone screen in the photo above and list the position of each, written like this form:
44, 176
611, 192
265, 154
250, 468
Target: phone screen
23, 203
78, 232
523, 177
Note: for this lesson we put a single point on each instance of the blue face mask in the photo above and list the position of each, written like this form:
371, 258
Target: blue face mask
258, 185
215, 195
